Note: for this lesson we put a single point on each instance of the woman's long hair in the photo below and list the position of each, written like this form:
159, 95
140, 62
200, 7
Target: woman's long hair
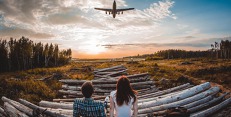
124, 91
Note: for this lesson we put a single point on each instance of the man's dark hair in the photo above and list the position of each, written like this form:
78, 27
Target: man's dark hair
87, 89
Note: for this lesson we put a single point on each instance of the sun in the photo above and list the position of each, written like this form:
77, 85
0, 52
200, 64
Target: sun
93, 47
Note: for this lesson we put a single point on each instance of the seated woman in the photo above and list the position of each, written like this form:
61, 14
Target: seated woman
123, 99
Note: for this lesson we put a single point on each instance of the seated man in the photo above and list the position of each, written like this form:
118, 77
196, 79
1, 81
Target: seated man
87, 107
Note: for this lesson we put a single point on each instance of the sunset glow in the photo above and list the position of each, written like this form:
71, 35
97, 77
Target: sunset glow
153, 25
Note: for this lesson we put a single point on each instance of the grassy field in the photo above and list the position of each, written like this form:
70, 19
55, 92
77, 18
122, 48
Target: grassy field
166, 73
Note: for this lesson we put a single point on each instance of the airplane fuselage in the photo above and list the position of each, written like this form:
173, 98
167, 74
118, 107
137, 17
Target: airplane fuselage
114, 9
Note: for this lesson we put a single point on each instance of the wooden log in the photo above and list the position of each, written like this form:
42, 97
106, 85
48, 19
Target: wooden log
110, 68
98, 97
71, 92
111, 72
212, 110
150, 90
132, 84
12, 111
199, 102
18, 106
117, 73
135, 76
1, 115
79, 93
75, 82
73, 96
102, 73
55, 105
39, 110
95, 97
184, 94
196, 97
64, 100
65, 112
99, 87
207, 104
76, 88
2, 112
203, 101
165, 91
150, 97
132, 78
154, 114
190, 105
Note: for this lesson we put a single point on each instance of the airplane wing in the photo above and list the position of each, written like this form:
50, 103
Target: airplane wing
108, 10
119, 10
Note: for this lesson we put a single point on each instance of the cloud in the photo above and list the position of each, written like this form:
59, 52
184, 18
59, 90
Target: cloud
75, 23
15, 32
205, 42
20, 10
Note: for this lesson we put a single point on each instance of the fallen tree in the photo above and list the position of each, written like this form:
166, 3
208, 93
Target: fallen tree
212, 110
182, 102
184, 94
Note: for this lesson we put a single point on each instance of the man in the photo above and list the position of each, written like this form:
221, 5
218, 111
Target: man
87, 107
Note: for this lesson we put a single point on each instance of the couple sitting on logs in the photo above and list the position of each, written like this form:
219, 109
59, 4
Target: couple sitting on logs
122, 100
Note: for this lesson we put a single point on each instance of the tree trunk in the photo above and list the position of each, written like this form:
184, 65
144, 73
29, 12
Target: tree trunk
166, 91
182, 102
18, 106
207, 104
212, 110
39, 110
12, 111
184, 94
55, 105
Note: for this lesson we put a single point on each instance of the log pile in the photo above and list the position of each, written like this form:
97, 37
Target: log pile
200, 101
110, 72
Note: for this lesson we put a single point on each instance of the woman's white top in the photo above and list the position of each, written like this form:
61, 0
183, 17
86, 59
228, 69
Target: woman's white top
123, 110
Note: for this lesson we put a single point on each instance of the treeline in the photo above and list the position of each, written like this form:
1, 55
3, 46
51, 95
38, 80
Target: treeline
221, 50
24, 54
175, 54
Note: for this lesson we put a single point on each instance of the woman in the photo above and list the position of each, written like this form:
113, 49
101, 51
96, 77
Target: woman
123, 99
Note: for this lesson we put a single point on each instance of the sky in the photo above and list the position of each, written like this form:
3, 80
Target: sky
153, 25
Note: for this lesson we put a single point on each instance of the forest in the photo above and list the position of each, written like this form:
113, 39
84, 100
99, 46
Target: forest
24, 54
220, 50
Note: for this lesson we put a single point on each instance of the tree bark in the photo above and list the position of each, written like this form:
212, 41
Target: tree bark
150, 98
12, 111
184, 94
165, 91
182, 102
212, 110
39, 110
110, 68
2, 112
55, 105
18, 106
209, 103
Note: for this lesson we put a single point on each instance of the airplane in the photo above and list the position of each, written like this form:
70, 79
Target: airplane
114, 11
